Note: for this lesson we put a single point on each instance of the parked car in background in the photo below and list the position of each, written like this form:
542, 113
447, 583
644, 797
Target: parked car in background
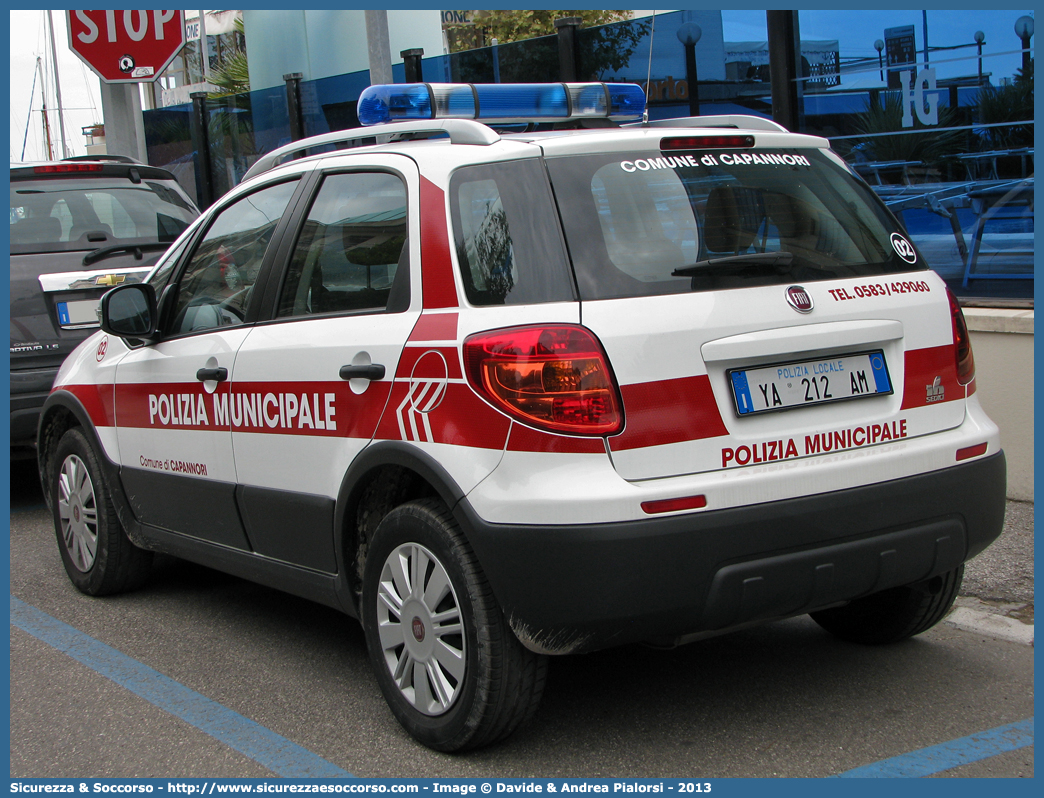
78, 228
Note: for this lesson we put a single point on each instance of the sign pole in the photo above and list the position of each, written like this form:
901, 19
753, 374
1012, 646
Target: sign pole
124, 127
204, 50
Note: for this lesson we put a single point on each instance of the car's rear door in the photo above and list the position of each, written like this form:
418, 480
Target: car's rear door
310, 385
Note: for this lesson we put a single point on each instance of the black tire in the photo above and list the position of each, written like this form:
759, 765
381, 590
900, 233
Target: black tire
98, 556
895, 614
488, 683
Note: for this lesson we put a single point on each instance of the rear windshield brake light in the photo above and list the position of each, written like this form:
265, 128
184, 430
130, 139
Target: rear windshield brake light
706, 142
67, 167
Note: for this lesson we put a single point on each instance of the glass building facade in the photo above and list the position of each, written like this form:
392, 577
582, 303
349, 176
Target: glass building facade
934, 109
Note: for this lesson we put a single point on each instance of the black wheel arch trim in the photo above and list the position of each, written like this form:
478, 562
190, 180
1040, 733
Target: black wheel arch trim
378, 455
66, 400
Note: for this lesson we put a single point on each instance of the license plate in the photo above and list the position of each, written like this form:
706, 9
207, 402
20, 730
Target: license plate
809, 382
78, 313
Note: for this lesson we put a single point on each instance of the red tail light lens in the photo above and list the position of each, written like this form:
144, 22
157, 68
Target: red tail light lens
554, 378
961, 342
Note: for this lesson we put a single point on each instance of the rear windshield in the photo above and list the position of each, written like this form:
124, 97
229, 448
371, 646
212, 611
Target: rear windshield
693, 221
77, 213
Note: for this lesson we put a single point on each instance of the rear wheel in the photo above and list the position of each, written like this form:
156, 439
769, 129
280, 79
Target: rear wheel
895, 614
452, 671
98, 556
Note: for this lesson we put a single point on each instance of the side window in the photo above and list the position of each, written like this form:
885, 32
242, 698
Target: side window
215, 287
351, 249
507, 237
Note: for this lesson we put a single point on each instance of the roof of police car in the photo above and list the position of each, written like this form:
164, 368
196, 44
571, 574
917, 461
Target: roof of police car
572, 141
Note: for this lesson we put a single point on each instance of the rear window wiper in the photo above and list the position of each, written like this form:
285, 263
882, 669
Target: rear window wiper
751, 258
137, 249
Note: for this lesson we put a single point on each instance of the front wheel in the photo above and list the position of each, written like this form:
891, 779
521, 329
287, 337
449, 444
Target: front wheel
98, 556
895, 614
450, 668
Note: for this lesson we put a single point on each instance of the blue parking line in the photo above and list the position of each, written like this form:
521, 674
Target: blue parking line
251, 739
937, 758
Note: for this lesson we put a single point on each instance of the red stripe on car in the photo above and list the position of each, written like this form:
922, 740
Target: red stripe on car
326, 409
437, 272
668, 411
97, 400
438, 412
435, 327
430, 367
930, 377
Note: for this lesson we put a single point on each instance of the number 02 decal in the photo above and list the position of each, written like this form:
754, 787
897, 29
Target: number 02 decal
903, 248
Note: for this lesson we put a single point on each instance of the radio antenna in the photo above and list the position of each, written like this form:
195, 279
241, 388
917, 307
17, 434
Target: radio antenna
648, 75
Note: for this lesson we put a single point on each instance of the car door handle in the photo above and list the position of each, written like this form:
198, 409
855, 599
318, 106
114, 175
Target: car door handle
220, 374
372, 371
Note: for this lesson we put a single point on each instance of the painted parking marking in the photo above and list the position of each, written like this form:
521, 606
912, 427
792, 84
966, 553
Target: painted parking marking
281, 756
937, 758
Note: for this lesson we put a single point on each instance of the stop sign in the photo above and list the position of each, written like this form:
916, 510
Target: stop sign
126, 46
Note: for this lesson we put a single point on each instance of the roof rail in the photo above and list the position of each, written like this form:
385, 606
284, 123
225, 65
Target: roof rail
744, 121
461, 131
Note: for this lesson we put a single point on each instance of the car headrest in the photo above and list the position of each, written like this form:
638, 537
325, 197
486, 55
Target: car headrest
733, 217
36, 230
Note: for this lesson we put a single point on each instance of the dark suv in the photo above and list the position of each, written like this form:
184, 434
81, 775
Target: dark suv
78, 228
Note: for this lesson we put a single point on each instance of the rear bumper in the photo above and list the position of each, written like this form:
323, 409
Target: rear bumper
575, 588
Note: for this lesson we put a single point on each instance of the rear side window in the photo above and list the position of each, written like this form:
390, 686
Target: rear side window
508, 241
640, 225
75, 213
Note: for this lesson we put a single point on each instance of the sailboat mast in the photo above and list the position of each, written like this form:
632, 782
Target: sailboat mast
57, 85
43, 111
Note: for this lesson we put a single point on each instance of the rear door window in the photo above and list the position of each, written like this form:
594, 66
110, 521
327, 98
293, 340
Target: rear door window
351, 249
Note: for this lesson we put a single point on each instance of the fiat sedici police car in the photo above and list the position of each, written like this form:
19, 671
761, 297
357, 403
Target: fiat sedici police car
503, 395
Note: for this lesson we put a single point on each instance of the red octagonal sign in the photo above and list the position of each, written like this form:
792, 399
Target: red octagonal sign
126, 46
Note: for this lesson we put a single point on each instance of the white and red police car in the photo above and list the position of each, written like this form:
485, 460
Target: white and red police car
501, 395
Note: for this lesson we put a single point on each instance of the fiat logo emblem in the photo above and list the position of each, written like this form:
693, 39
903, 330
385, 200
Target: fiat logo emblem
418, 629
799, 299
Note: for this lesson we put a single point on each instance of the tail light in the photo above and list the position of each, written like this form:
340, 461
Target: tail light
961, 342
555, 378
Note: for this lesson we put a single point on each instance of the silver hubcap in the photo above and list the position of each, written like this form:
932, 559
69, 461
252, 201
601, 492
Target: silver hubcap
421, 630
78, 510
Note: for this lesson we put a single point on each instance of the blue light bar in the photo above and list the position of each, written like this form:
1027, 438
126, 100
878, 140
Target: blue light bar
393, 102
500, 102
626, 101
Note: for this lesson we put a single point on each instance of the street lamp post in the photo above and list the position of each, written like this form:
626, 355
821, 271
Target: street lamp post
688, 35
879, 46
1024, 30
980, 37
